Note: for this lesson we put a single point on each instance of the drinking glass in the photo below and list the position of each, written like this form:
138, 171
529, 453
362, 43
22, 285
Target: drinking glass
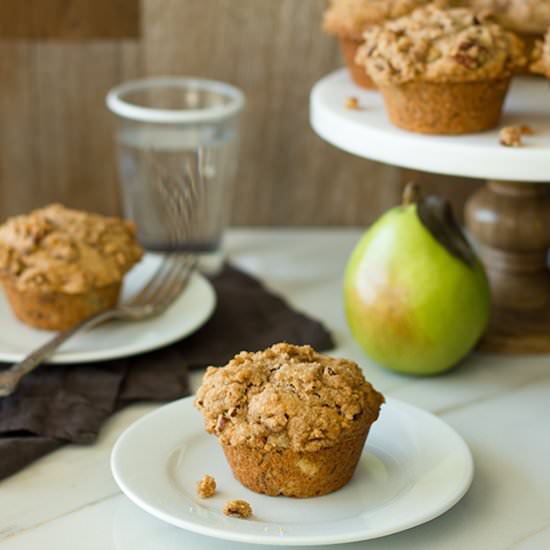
177, 142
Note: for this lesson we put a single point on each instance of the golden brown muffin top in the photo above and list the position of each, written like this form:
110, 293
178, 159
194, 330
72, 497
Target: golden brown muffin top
58, 249
286, 397
440, 45
350, 18
525, 16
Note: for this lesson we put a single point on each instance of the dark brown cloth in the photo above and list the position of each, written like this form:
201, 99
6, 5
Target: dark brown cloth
57, 404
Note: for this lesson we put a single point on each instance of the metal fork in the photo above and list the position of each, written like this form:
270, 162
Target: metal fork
167, 283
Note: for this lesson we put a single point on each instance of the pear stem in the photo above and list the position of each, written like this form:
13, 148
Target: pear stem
411, 193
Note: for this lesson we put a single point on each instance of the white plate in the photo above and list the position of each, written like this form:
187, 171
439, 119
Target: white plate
118, 338
414, 468
369, 134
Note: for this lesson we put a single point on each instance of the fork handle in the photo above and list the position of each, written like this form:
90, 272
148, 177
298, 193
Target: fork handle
10, 378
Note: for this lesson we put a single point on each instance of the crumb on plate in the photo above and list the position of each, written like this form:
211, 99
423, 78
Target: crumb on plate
206, 487
237, 509
352, 103
510, 136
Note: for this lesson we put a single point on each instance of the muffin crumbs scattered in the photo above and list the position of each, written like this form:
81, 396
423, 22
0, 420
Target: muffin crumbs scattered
206, 487
237, 509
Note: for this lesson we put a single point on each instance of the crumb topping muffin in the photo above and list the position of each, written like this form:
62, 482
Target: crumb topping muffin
524, 16
541, 56
58, 249
291, 421
440, 45
60, 266
350, 18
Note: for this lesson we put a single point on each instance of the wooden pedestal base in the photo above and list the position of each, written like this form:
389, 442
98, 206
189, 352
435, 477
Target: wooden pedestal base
511, 222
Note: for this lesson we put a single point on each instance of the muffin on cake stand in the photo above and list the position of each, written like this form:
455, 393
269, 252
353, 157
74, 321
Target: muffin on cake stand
509, 217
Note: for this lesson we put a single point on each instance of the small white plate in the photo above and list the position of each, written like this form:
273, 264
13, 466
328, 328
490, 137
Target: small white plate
414, 468
117, 338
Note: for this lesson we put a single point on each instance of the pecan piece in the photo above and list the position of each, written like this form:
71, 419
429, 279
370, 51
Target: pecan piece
206, 487
237, 509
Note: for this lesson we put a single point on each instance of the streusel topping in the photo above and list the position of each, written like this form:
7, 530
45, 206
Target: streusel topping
440, 45
286, 397
58, 249
526, 16
350, 18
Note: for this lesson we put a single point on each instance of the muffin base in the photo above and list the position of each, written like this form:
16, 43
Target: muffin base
57, 310
359, 75
296, 474
445, 108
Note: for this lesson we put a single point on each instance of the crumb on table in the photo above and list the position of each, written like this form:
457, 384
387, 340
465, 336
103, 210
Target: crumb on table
237, 509
352, 103
206, 487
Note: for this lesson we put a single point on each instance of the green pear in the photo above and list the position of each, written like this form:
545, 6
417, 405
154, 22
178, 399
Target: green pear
416, 295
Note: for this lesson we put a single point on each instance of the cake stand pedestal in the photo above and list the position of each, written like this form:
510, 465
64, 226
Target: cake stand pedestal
509, 217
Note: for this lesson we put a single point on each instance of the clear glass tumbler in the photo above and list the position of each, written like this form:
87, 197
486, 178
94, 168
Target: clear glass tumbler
177, 141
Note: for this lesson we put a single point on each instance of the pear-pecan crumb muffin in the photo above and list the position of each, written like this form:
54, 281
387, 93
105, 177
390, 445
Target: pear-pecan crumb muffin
541, 56
442, 71
59, 266
528, 18
291, 421
521, 16
348, 19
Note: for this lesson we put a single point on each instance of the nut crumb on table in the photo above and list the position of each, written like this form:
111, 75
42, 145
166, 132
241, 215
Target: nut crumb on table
206, 487
510, 136
237, 509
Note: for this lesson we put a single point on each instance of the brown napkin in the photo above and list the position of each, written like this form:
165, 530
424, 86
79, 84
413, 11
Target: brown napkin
57, 404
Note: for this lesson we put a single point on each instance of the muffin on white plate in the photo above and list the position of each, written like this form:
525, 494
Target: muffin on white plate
59, 266
291, 421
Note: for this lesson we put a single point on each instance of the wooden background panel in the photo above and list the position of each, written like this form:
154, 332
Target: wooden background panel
56, 139
275, 52
56, 134
69, 19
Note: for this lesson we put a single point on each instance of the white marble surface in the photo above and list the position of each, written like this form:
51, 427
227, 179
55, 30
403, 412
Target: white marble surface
500, 405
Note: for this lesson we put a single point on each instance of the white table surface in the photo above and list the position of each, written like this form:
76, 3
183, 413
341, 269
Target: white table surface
500, 405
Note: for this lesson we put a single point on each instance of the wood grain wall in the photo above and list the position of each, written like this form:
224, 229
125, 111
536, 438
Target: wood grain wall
59, 58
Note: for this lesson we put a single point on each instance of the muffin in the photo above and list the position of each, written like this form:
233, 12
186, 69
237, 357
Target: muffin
348, 19
291, 421
442, 71
531, 17
528, 18
541, 57
59, 266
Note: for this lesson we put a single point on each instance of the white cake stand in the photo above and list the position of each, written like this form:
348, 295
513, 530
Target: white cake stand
510, 216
